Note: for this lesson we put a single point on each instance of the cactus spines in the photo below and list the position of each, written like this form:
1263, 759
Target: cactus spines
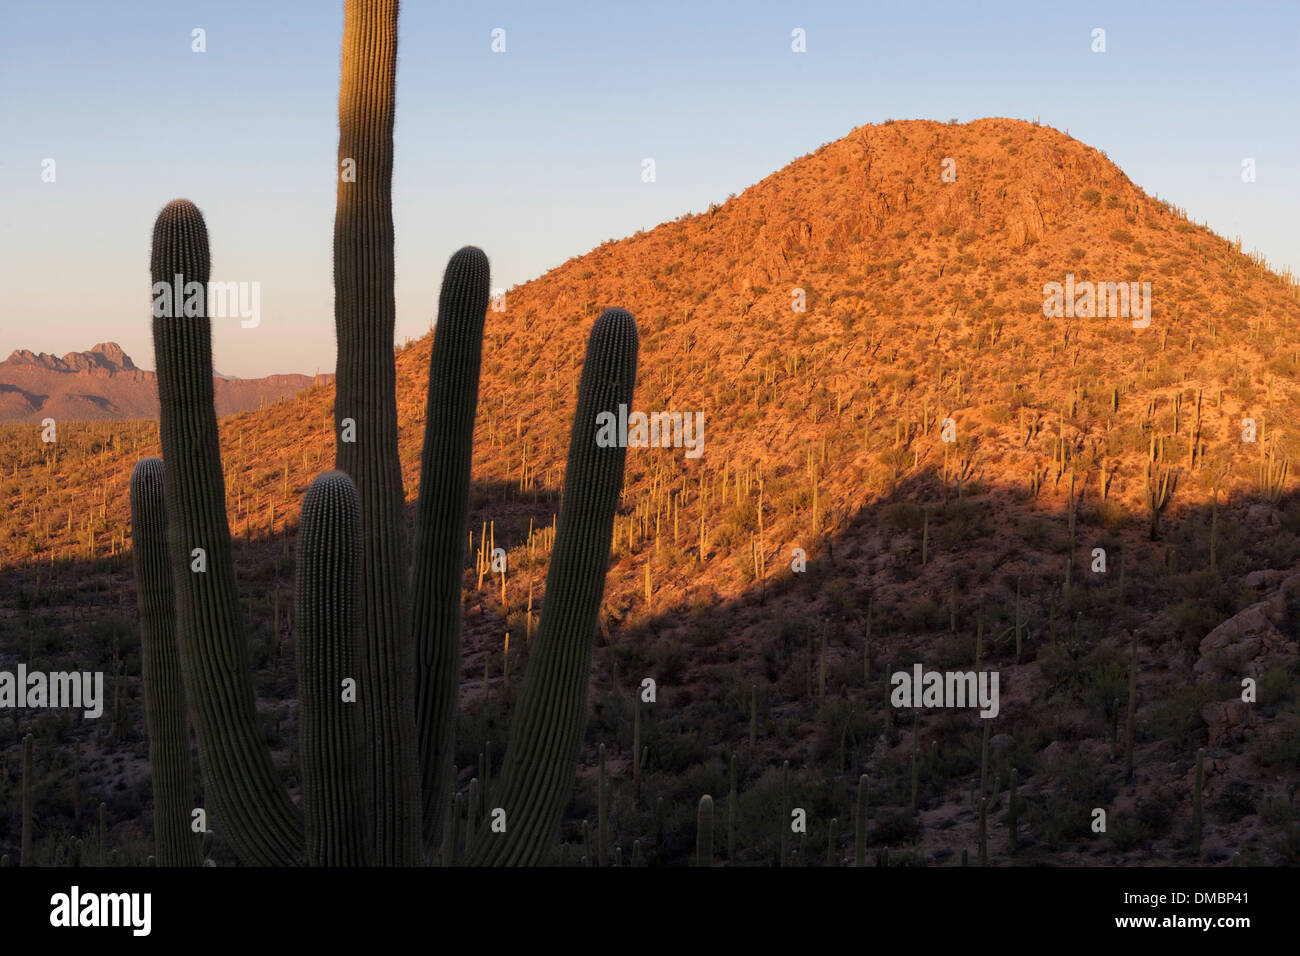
860, 825
546, 732
704, 832
240, 782
454, 364
329, 571
160, 665
25, 855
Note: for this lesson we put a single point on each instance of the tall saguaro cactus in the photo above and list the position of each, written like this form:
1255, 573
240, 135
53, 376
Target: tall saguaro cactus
365, 394
357, 631
160, 665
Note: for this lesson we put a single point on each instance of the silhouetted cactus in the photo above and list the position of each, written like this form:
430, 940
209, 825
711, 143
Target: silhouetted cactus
785, 813
365, 394
329, 572
860, 825
240, 783
443, 508
704, 832
546, 730
262, 824
160, 667
26, 857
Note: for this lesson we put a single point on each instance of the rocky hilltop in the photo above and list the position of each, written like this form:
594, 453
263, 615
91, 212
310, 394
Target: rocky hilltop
104, 383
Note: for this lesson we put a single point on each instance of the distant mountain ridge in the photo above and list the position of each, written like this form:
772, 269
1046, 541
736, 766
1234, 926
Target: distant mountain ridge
104, 383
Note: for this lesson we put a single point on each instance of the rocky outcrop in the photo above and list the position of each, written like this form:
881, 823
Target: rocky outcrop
104, 383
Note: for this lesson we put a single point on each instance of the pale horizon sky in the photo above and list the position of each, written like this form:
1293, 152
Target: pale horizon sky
535, 154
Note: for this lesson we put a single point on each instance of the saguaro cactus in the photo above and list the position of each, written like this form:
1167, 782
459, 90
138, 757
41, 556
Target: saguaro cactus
160, 665
365, 393
443, 508
860, 825
261, 823
546, 733
329, 571
704, 832
240, 782
26, 857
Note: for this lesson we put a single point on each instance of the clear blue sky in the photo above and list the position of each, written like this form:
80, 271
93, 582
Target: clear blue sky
535, 154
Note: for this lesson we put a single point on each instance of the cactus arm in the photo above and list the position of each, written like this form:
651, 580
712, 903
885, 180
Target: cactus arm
546, 733
160, 667
240, 782
331, 747
454, 364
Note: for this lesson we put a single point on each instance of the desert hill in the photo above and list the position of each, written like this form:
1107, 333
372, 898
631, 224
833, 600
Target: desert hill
104, 383
922, 286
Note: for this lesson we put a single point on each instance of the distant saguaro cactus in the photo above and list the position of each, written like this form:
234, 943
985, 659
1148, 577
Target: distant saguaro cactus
363, 802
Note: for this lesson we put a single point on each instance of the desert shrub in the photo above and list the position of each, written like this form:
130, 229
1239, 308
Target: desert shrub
1278, 747
1175, 714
